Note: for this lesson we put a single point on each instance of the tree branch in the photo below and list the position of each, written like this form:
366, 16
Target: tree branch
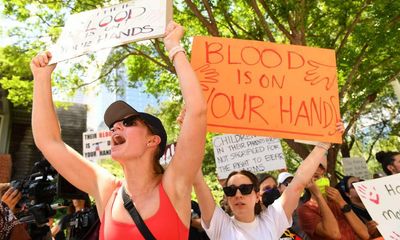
376, 140
276, 21
212, 29
114, 66
367, 100
351, 28
353, 70
170, 66
253, 4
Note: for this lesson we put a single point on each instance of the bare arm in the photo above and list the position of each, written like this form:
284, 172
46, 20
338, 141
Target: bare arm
355, 222
328, 227
47, 135
205, 198
290, 197
191, 142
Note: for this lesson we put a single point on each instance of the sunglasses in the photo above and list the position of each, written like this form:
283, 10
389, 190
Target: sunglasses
127, 122
245, 189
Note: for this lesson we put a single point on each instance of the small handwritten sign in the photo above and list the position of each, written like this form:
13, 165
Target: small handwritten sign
268, 89
256, 154
169, 153
381, 197
111, 26
357, 167
97, 145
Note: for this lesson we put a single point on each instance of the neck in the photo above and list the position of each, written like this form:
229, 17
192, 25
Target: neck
245, 219
140, 177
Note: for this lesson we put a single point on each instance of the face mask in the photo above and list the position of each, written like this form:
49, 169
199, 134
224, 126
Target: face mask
270, 196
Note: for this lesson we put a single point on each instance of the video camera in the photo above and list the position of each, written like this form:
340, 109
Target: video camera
39, 191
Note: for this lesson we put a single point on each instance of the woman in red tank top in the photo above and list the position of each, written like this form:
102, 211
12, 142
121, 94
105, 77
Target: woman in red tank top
138, 141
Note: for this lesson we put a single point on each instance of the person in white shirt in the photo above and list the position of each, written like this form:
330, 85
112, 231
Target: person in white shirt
241, 189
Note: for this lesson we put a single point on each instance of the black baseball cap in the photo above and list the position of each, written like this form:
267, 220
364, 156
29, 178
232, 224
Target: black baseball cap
120, 109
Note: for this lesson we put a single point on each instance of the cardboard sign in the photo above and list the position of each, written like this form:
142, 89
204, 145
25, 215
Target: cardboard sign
112, 26
255, 154
262, 88
97, 145
357, 167
381, 197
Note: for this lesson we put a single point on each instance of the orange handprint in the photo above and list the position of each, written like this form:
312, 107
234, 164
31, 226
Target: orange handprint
318, 72
206, 74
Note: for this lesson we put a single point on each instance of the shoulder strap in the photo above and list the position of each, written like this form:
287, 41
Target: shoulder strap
130, 207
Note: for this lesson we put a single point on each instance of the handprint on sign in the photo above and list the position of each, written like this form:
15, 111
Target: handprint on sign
318, 72
206, 74
372, 195
395, 236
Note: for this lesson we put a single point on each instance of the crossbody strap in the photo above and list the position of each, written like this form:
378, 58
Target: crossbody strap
130, 207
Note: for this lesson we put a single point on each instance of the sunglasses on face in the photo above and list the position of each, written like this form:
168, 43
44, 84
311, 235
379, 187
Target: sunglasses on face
127, 122
245, 189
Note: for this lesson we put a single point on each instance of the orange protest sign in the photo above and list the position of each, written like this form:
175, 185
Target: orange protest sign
262, 88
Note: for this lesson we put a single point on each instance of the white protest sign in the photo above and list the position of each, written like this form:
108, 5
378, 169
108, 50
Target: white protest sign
111, 26
169, 152
96, 145
356, 166
235, 152
381, 197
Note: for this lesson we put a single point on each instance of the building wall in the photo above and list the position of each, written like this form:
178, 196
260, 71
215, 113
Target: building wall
22, 148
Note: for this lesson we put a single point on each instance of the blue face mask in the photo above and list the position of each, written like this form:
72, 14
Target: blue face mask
270, 196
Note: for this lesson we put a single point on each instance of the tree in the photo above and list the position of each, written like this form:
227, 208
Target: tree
363, 33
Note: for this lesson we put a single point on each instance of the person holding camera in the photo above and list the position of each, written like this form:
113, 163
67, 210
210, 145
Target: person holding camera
10, 227
10, 197
162, 199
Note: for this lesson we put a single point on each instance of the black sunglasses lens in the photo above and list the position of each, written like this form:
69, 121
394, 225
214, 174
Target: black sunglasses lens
129, 121
230, 191
246, 189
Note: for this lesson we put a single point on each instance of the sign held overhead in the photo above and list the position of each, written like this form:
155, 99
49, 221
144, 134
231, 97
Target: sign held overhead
111, 26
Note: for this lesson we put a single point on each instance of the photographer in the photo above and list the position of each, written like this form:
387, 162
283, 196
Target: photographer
78, 221
10, 227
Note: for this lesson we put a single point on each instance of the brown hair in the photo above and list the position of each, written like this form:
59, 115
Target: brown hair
254, 181
386, 159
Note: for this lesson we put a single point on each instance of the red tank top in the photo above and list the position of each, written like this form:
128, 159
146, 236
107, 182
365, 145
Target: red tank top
164, 224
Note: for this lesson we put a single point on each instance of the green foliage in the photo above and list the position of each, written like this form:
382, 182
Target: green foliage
113, 167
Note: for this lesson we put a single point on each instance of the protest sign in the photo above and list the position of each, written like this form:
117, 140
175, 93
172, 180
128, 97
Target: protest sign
97, 145
169, 152
111, 26
357, 167
255, 154
381, 197
262, 88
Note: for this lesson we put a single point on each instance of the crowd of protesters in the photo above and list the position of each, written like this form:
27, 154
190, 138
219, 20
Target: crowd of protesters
301, 205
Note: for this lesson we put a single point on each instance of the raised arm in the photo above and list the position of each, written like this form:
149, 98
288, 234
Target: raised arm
204, 197
354, 221
291, 195
328, 226
191, 141
47, 135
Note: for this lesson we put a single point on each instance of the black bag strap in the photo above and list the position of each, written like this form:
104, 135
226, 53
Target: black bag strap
130, 207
